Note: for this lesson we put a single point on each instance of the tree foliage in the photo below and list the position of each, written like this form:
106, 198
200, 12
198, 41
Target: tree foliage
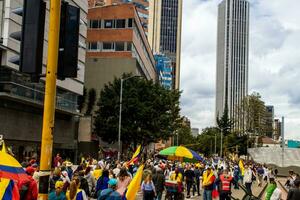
254, 110
206, 141
91, 101
149, 112
185, 136
225, 123
81, 100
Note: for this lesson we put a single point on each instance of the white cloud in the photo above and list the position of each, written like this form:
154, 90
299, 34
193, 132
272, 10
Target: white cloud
274, 66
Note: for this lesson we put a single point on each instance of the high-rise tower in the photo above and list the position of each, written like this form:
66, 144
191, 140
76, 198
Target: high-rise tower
164, 31
232, 58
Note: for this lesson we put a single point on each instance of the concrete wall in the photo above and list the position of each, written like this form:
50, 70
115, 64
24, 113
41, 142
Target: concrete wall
100, 71
24, 123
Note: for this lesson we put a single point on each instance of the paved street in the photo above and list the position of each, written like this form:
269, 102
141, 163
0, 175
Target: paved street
236, 193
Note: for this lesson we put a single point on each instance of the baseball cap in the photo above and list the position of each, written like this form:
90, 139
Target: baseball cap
112, 182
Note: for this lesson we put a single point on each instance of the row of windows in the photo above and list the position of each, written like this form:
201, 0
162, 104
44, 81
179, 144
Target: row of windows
110, 46
111, 23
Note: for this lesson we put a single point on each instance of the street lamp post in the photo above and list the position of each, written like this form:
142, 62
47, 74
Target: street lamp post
221, 151
120, 114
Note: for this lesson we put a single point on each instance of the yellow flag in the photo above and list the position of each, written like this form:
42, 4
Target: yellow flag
241, 165
135, 184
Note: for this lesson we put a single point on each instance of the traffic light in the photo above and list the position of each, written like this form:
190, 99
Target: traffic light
68, 41
31, 38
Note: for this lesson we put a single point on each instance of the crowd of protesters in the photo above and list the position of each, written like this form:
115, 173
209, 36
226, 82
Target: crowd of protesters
108, 179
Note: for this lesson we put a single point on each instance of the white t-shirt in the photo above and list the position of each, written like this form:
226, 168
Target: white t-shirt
276, 194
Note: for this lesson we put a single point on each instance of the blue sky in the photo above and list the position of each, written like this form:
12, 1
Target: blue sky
274, 65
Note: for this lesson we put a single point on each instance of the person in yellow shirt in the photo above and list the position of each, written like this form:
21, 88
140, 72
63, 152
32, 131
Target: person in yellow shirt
207, 183
97, 172
176, 176
74, 193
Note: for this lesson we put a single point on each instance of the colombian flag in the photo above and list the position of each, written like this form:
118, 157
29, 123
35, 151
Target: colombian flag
135, 156
8, 189
134, 185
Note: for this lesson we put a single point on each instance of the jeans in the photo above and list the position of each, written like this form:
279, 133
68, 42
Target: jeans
198, 186
207, 194
248, 187
189, 185
148, 195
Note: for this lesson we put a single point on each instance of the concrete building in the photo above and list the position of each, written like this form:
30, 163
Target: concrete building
277, 129
164, 70
195, 132
117, 44
232, 58
21, 102
142, 8
164, 35
270, 121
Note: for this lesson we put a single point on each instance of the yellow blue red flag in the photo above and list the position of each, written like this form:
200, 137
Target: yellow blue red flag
136, 155
8, 189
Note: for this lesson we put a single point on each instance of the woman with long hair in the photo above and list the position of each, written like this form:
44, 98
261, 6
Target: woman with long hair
123, 181
148, 188
74, 192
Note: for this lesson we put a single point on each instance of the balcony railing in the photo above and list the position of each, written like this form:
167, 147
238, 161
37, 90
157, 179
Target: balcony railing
34, 95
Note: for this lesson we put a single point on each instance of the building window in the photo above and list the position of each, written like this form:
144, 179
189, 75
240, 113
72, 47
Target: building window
129, 46
120, 46
120, 23
108, 23
93, 46
129, 23
95, 24
108, 46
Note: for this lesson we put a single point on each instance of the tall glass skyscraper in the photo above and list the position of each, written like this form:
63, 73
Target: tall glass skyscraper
232, 58
165, 19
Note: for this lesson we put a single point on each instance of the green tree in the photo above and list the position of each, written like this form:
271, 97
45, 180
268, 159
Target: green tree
225, 123
206, 141
81, 100
185, 136
254, 111
91, 101
149, 112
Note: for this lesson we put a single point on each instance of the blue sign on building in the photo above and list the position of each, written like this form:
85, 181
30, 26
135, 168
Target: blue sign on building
164, 69
293, 144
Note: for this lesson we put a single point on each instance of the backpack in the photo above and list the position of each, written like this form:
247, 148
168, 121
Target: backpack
24, 190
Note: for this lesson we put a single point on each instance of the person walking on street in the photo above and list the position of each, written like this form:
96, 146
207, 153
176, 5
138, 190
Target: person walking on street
270, 189
207, 184
224, 182
294, 193
74, 192
248, 178
236, 176
260, 173
148, 188
189, 179
197, 173
159, 183
110, 193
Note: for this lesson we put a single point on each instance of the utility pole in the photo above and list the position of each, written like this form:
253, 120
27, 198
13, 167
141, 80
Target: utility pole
221, 151
120, 120
215, 143
282, 142
50, 97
